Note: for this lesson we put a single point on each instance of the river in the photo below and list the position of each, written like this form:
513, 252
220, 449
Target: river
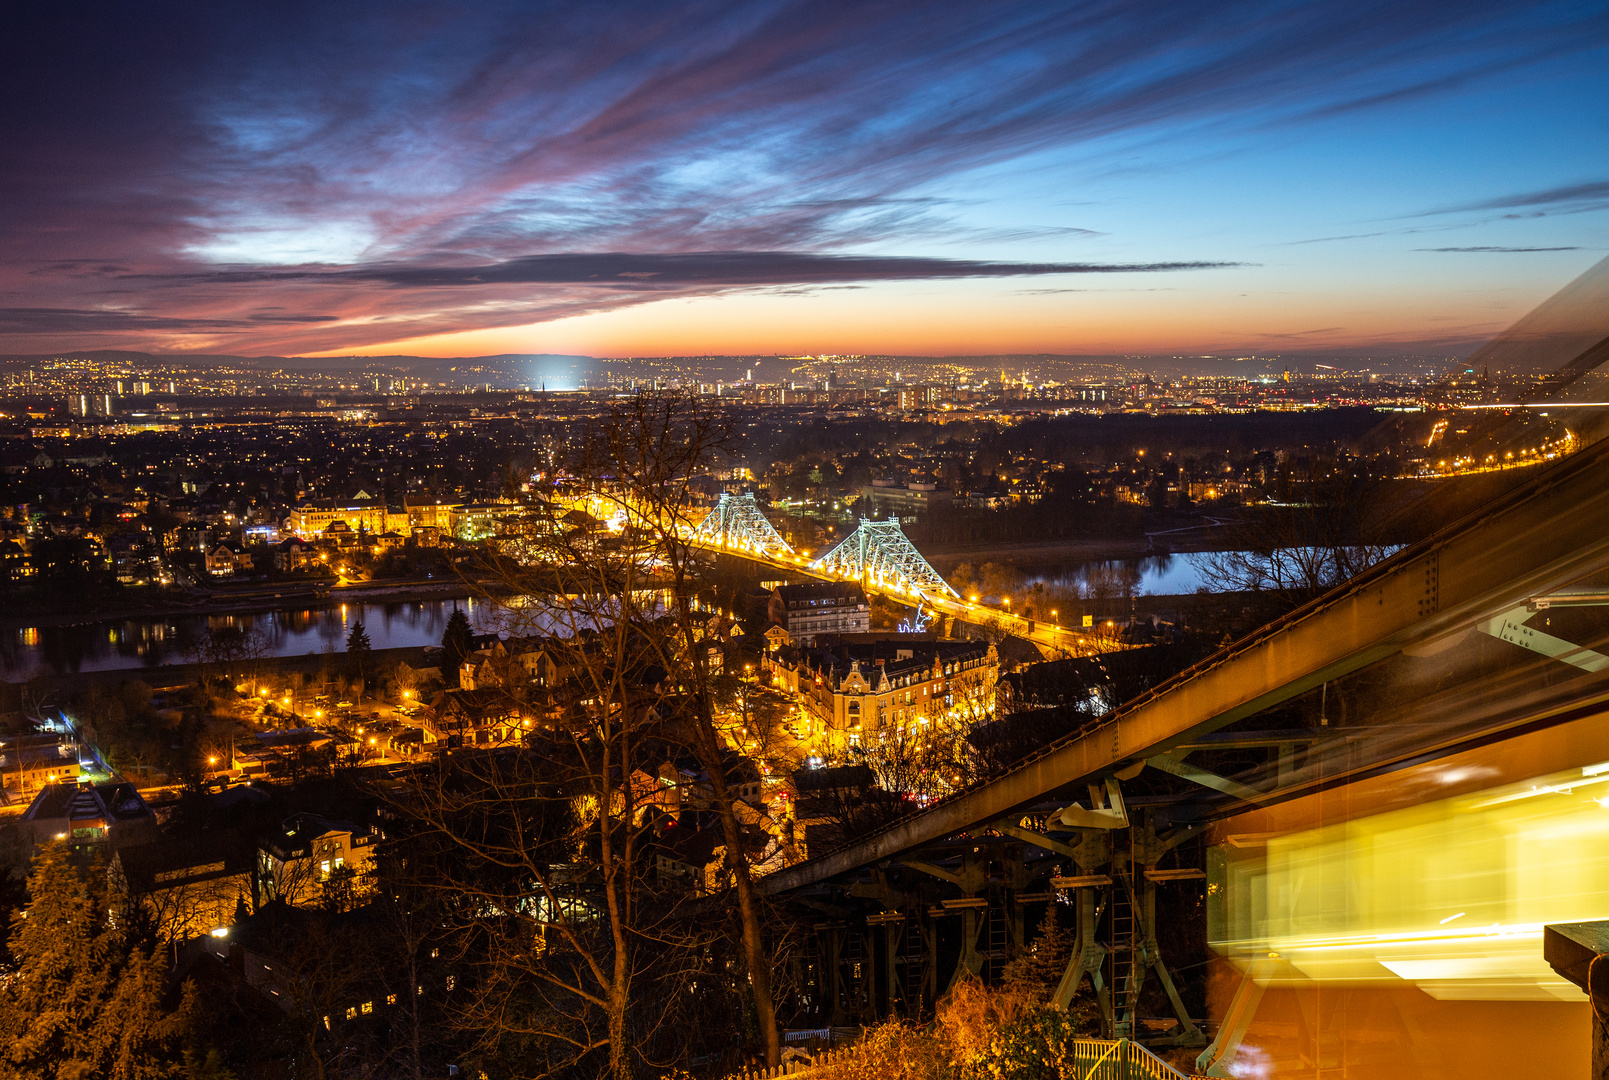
1157, 575
131, 644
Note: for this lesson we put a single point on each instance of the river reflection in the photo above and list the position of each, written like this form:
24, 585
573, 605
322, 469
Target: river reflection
139, 643
1154, 575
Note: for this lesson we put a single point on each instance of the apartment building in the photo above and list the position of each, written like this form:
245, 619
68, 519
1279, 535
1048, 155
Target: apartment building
828, 607
856, 694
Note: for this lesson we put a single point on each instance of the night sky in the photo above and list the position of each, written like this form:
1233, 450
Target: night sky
675, 178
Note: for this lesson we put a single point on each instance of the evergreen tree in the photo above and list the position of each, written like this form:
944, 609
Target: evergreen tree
456, 644
87, 998
358, 656
358, 640
1038, 971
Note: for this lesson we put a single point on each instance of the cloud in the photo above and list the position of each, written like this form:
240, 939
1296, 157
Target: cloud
1333, 239
1499, 249
1589, 195
33, 320
100, 321
724, 269
423, 151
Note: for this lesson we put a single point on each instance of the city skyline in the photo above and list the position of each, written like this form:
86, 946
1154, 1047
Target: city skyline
765, 179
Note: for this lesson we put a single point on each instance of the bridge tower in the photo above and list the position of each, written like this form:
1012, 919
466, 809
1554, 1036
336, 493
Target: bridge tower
738, 523
879, 552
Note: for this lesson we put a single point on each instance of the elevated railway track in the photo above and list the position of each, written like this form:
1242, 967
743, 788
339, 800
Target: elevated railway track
1475, 640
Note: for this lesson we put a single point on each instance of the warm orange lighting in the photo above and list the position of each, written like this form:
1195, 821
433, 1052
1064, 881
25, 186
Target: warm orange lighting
212, 761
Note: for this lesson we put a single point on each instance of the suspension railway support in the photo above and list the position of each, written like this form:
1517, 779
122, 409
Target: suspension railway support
972, 869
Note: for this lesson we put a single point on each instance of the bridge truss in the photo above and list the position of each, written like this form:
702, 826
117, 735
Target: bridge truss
738, 523
879, 551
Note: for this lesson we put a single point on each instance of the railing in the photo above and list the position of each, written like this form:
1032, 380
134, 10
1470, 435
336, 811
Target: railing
796, 1066
1091, 1059
1106, 1059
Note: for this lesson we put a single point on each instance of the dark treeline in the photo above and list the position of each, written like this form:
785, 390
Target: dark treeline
1117, 437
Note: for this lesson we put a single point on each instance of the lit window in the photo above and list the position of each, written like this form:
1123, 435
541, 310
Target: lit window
451, 982
327, 1024
368, 1007
352, 1013
391, 999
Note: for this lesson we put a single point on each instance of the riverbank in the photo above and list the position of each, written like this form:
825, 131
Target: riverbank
269, 669
1041, 557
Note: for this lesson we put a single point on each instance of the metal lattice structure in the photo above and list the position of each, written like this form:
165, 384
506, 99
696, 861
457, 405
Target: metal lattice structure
879, 553
737, 523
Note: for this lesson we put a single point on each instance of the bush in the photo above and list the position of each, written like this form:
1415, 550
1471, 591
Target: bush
972, 1017
895, 1050
978, 1034
1034, 1046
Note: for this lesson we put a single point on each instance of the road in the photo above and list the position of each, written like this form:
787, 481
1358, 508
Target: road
1054, 640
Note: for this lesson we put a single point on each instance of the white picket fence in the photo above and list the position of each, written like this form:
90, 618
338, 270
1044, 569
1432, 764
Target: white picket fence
1092, 1059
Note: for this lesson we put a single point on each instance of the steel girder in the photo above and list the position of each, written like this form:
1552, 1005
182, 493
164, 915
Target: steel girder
880, 551
738, 523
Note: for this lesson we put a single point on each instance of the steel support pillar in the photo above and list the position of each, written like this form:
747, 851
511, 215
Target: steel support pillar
1089, 958
968, 962
1219, 1056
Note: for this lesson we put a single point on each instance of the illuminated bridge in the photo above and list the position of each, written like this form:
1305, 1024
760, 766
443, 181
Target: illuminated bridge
1370, 807
882, 558
738, 524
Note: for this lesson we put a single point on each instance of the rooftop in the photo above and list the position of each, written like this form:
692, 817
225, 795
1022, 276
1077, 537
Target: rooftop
837, 592
114, 802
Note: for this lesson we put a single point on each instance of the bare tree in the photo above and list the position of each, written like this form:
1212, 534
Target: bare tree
544, 850
609, 585
1327, 530
656, 444
542, 863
